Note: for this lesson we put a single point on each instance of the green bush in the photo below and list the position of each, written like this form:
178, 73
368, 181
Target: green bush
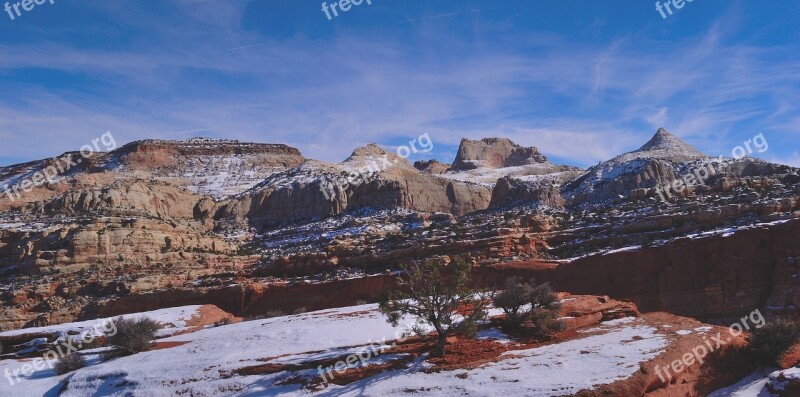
538, 320
770, 341
469, 328
512, 299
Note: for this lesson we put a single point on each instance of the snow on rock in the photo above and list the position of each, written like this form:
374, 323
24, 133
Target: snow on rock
666, 149
174, 318
785, 380
754, 385
528, 173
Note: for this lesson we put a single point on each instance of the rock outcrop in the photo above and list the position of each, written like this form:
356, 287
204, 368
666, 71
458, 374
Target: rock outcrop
718, 277
213, 167
494, 153
371, 177
510, 191
652, 170
124, 198
431, 167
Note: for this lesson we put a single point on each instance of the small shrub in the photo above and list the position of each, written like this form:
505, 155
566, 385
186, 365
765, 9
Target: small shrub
361, 302
469, 328
300, 310
274, 313
770, 341
267, 314
94, 343
133, 336
512, 299
69, 363
545, 322
540, 319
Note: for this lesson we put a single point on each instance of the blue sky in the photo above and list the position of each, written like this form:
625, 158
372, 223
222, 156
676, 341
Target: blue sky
581, 80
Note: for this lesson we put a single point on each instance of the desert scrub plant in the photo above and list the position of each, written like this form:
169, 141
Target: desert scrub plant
770, 341
300, 310
70, 362
469, 328
268, 314
94, 343
530, 304
434, 293
132, 336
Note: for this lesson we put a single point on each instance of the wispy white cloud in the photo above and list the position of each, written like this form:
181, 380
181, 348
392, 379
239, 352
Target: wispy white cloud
577, 102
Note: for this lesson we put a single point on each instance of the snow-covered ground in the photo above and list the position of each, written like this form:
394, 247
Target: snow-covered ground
560, 369
173, 318
205, 364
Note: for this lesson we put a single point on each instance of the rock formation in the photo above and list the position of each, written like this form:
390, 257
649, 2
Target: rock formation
431, 167
254, 227
494, 153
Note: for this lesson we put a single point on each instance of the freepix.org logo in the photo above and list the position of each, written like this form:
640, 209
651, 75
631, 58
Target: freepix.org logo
344, 6
26, 5
60, 165
678, 4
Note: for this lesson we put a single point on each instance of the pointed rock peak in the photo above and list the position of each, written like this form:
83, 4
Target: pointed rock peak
369, 150
373, 153
670, 145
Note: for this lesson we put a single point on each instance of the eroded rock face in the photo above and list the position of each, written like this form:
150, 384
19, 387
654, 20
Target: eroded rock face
714, 277
657, 163
579, 311
138, 197
153, 154
216, 168
509, 191
63, 268
494, 153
